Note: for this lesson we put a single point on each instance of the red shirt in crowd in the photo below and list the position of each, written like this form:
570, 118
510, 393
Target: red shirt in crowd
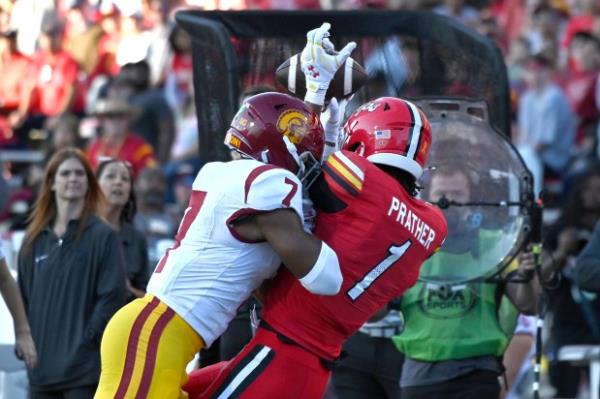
511, 17
133, 149
107, 62
580, 89
14, 72
182, 70
54, 74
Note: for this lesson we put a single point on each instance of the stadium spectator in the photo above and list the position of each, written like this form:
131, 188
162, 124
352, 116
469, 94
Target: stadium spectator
582, 18
152, 218
13, 69
155, 121
71, 277
155, 14
575, 315
62, 132
82, 37
453, 334
545, 120
516, 60
183, 180
185, 146
178, 81
543, 35
579, 85
459, 10
116, 181
184, 152
28, 16
135, 41
108, 21
511, 16
116, 140
51, 84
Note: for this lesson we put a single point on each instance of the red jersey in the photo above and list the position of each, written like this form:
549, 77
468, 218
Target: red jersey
134, 149
14, 71
55, 74
381, 235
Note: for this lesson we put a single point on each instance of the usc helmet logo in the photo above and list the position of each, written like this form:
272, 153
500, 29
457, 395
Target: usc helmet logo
293, 124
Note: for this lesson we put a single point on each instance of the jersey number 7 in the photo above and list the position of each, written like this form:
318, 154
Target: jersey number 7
395, 253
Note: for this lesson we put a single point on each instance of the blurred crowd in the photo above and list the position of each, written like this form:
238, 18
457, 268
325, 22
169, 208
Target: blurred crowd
114, 79
111, 78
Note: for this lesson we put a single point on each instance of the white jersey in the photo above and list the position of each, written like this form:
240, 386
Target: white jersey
210, 270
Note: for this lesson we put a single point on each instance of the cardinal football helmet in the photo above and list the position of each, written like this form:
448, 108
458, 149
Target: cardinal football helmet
390, 131
277, 129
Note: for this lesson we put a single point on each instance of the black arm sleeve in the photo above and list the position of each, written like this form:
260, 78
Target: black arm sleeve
323, 198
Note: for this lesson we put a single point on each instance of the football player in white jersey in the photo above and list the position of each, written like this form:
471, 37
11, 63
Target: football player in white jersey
244, 219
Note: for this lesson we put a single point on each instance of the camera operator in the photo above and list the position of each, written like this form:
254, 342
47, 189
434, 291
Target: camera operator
575, 313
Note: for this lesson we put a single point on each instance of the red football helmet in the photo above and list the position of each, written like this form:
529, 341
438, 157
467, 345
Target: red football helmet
277, 129
390, 131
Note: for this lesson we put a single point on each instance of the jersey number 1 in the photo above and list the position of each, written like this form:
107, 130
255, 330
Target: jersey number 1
395, 253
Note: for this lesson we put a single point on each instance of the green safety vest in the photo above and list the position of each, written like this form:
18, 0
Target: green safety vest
445, 322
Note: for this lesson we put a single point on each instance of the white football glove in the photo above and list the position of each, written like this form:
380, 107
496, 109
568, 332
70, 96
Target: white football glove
320, 61
332, 119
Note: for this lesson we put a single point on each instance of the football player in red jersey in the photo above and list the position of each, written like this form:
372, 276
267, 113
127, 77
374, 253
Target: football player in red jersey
367, 212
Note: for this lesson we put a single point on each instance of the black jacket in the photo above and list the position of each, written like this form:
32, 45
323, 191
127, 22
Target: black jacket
587, 270
71, 288
574, 322
135, 252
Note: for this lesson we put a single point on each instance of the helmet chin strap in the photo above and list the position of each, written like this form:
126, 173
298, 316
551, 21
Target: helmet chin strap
264, 156
309, 168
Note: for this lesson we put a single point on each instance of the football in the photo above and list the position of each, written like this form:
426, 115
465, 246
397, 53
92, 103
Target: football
348, 79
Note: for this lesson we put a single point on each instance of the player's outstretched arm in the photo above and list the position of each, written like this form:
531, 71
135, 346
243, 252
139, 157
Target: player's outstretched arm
319, 61
312, 261
331, 119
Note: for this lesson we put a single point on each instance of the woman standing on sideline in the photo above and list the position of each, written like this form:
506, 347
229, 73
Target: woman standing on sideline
71, 277
116, 181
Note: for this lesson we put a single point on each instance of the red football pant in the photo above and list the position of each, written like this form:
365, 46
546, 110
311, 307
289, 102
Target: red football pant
265, 369
199, 380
